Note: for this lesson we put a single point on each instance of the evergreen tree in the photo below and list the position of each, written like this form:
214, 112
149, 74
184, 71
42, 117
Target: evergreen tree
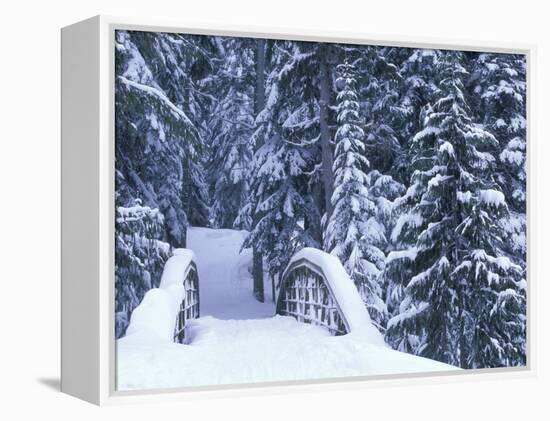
492, 288
383, 190
182, 66
232, 123
416, 85
304, 89
500, 87
452, 154
279, 170
380, 81
418, 72
381, 85
140, 255
158, 147
353, 232
280, 233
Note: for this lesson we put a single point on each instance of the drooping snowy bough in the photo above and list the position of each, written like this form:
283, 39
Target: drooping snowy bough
164, 311
315, 288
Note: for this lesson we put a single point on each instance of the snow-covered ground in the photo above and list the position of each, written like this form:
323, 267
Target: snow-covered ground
257, 350
237, 340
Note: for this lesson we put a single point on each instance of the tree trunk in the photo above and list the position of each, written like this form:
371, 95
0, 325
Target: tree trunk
185, 201
185, 182
273, 289
258, 274
326, 146
462, 341
312, 224
259, 93
259, 103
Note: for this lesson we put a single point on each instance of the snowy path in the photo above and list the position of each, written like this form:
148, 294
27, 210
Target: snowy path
224, 278
238, 340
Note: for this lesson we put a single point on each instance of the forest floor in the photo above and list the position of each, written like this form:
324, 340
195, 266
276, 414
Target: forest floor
238, 341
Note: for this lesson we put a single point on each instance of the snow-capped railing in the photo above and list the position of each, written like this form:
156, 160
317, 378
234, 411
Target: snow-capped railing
164, 311
190, 306
316, 289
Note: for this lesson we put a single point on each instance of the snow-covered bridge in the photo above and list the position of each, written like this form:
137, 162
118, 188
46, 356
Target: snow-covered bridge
319, 327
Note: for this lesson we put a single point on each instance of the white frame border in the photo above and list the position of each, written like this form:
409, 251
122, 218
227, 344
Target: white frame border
107, 392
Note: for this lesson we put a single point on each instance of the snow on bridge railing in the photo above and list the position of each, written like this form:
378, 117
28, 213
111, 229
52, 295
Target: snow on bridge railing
164, 311
315, 288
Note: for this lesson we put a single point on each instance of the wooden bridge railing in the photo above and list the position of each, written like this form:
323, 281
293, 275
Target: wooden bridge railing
306, 295
189, 307
165, 311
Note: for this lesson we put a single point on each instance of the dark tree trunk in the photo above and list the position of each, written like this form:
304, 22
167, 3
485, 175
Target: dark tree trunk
186, 202
273, 289
258, 274
326, 146
312, 224
259, 93
259, 103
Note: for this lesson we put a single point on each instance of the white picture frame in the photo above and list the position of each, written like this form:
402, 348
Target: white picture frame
88, 344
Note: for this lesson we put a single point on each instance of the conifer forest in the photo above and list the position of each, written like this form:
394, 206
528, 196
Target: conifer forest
408, 165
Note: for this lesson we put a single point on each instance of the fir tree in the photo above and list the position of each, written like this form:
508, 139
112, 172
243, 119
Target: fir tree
454, 166
500, 86
352, 231
280, 232
140, 255
380, 83
279, 190
231, 127
159, 149
492, 288
383, 190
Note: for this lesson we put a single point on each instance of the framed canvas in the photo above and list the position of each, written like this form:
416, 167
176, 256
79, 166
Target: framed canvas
246, 210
